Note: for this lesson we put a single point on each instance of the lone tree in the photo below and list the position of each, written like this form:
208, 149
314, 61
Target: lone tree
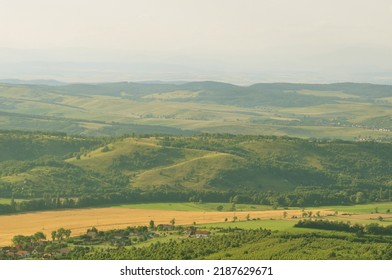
152, 224
219, 207
173, 222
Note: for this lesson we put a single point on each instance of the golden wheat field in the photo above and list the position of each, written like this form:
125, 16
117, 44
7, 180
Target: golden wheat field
79, 220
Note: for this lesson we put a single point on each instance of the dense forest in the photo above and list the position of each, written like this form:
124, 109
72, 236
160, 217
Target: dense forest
54, 170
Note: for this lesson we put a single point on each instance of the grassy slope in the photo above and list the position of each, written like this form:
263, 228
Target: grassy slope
97, 159
194, 173
364, 208
194, 169
190, 168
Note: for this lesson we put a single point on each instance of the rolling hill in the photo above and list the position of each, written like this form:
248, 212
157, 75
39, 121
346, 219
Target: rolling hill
337, 111
55, 168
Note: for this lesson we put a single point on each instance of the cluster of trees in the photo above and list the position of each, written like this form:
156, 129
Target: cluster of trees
299, 198
372, 228
146, 158
133, 195
60, 234
226, 143
27, 242
309, 196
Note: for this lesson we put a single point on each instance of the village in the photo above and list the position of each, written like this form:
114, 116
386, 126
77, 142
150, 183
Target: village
62, 245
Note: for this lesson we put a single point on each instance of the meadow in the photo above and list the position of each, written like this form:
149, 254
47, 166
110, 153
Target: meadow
371, 208
8, 200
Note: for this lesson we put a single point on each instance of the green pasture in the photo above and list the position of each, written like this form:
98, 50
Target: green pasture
5, 200
272, 224
372, 208
8, 200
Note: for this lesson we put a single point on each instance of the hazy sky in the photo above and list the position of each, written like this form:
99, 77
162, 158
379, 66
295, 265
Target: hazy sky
220, 39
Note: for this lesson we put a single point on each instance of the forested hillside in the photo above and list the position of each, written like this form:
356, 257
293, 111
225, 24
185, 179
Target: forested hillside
46, 171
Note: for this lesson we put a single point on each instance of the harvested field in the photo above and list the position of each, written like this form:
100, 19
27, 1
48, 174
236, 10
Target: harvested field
79, 220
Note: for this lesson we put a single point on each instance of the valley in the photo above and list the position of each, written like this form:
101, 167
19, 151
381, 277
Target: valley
200, 170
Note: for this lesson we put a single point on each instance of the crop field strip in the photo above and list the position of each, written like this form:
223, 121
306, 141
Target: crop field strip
115, 217
79, 220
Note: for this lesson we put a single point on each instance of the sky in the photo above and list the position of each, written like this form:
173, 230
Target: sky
238, 41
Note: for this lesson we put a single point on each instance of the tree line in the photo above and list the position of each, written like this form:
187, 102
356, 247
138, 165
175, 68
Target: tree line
372, 228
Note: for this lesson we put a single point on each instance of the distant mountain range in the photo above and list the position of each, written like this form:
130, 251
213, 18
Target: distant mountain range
32, 82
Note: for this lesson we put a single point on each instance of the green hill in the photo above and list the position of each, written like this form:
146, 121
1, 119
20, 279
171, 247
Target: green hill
245, 169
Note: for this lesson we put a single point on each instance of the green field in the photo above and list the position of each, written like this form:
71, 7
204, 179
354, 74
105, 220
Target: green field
8, 200
189, 206
277, 224
272, 224
363, 208
5, 200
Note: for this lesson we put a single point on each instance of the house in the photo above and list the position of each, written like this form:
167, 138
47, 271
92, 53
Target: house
22, 254
202, 233
91, 234
47, 256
